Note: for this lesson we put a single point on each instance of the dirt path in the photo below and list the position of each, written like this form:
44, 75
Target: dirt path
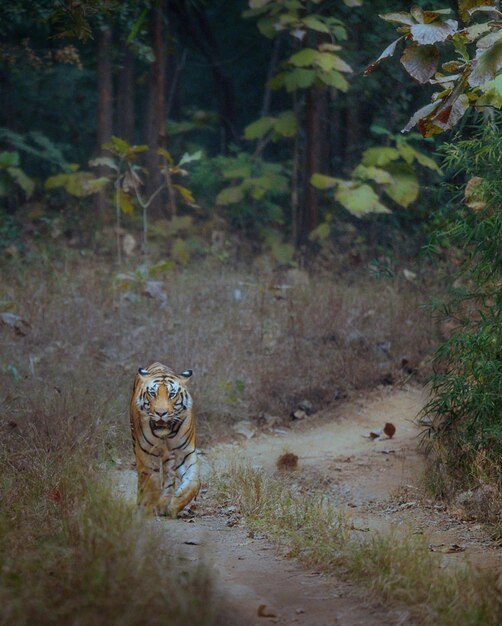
374, 482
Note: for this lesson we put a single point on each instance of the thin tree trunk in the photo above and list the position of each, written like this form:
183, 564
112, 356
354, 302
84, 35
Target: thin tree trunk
104, 122
308, 215
125, 96
155, 118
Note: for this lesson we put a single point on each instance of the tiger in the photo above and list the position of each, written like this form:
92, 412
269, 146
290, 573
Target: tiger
163, 434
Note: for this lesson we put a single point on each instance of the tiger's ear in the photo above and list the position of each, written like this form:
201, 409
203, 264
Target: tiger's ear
143, 372
187, 373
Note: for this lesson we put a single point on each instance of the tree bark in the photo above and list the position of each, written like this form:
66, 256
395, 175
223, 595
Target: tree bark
125, 95
196, 24
104, 121
155, 134
308, 216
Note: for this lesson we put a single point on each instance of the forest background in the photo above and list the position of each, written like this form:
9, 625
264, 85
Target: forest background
236, 174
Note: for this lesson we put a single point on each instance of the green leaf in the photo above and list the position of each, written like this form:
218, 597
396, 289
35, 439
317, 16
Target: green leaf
426, 161
9, 159
421, 62
320, 181
104, 161
336, 80
24, 181
188, 158
243, 171
55, 181
185, 193
283, 253
379, 156
93, 185
137, 25
230, 195
180, 251
492, 93
400, 18
304, 57
314, 23
359, 199
321, 233
286, 124
464, 6
266, 26
404, 190
125, 204
258, 129
299, 79
488, 63
371, 172
117, 146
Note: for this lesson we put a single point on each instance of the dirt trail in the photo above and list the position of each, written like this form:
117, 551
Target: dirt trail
374, 482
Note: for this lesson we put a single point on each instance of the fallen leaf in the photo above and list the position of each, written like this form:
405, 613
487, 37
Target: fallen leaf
265, 611
287, 461
389, 430
55, 495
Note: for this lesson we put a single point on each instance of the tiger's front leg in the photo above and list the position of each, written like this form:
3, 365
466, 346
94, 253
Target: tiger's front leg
187, 472
149, 487
167, 490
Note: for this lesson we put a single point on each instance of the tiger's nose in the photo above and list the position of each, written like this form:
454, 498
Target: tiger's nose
161, 414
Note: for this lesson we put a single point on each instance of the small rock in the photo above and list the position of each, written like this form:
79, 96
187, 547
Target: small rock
306, 406
155, 289
299, 611
244, 428
298, 415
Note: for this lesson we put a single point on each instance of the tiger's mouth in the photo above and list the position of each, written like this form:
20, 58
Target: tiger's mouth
160, 425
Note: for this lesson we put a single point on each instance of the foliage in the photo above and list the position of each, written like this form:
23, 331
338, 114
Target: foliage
12, 175
383, 169
467, 385
470, 78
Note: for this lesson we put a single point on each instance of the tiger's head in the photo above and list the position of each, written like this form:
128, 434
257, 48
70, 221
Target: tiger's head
163, 399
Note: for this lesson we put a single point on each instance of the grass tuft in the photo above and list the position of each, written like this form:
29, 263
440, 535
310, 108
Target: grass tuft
398, 569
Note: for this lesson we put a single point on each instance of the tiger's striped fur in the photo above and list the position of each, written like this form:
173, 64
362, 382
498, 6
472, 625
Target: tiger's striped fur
163, 433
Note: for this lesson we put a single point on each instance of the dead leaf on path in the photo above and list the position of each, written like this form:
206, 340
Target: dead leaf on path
389, 430
266, 611
444, 548
287, 461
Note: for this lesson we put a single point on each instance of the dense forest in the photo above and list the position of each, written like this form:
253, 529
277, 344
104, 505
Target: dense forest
300, 200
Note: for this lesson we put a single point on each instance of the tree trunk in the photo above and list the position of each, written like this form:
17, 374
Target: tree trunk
308, 215
197, 26
104, 122
125, 96
155, 134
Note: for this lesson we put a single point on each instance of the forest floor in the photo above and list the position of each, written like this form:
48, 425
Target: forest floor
375, 483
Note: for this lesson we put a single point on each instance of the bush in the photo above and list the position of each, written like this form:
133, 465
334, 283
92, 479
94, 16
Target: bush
466, 433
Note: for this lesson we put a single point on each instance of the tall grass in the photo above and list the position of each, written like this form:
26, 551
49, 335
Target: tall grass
71, 552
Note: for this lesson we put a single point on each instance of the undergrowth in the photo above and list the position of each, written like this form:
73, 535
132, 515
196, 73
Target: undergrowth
257, 342
71, 552
397, 568
466, 432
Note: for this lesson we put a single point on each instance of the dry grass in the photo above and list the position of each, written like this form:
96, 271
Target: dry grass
71, 552
397, 568
253, 348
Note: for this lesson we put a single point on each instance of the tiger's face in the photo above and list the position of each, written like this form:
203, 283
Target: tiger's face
164, 401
